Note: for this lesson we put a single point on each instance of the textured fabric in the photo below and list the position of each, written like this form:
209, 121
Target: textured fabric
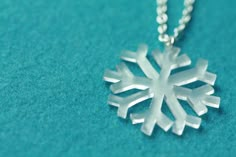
52, 96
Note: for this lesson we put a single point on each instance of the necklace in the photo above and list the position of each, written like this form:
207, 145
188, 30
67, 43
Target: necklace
163, 86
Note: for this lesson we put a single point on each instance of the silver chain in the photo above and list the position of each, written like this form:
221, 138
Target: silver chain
162, 19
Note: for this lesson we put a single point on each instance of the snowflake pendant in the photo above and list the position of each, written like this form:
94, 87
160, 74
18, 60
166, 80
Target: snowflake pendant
160, 87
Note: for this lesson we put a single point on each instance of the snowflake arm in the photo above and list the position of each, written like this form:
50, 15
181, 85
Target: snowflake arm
198, 98
163, 121
194, 74
175, 61
140, 58
182, 118
124, 80
124, 104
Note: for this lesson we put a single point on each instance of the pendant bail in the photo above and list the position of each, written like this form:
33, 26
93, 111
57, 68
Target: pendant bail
171, 40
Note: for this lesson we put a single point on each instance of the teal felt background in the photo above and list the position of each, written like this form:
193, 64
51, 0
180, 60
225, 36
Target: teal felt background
52, 96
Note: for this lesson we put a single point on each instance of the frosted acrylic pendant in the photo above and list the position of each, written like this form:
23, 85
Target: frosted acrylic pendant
160, 87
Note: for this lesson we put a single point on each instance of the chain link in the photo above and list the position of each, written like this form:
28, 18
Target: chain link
162, 19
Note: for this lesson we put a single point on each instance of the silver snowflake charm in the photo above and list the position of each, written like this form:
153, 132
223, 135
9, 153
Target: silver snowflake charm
161, 87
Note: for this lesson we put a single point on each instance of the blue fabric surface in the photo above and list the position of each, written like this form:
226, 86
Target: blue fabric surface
52, 57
